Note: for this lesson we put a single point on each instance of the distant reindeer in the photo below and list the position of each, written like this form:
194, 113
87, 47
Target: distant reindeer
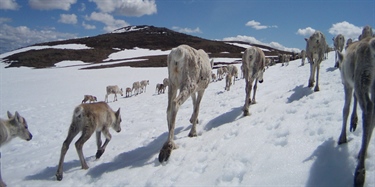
315, 48
128, 92
338, 42
160, 88
89, 98
357, 69
15, 126
136, 88
253, 62
228, 81
113, 90
89, 118
189, 72
144, 84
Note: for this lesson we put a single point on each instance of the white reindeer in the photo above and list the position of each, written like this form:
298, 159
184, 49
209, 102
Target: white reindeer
228, 81
357, 69
338, 42
144, 84
15, 126
89, 118
136, 88
253, 62
189, 72
113, 90
315, 49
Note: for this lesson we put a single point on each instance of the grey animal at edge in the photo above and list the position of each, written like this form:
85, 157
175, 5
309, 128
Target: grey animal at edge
315, 48
189, 72
357, 68
89, 118
15, 126
253, 62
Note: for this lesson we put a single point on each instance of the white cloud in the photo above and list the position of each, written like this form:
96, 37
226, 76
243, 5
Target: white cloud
187, 30
253, 40
50, 5
347, 29
68, 18
16, 37
306, 31
256, 25
4, 20
83, 7
110, 22
9, 5
88, 26
127, 7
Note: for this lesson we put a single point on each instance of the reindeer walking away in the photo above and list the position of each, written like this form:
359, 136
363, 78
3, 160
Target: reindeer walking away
357, 69
190, 72
89, 118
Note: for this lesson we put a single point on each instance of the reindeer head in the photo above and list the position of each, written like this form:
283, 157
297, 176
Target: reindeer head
117, 124
20, 124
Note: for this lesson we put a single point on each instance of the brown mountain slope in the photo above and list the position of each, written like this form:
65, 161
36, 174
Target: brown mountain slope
148, 37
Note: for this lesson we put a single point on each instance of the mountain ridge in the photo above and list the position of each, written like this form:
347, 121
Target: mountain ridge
142, 36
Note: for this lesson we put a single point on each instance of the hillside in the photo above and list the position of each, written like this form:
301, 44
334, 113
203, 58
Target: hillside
101, 46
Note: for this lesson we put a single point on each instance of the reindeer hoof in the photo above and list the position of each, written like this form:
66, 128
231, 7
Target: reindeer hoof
359, 177
353, 124
59, 177
166, 151
192, 134
246, 113
316, 89
99, 153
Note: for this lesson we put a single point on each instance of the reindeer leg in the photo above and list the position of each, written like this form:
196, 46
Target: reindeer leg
172, 109
101, 149
73, 131
86, 134
255, 91
247, 98
354, 118
194, 117
345, 112
312, 71
316, 89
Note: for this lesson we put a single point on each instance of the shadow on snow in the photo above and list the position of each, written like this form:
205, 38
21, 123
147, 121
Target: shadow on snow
299, 93
331, 165
222, 119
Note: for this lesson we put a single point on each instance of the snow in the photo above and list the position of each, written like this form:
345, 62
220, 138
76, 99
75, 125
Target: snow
135, 53
290, 138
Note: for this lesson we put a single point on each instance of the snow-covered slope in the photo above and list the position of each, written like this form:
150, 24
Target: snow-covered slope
290, 138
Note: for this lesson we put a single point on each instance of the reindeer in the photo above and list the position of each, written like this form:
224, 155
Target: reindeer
189, 72
144, 84
228, 81
315, 49
113, 90
15, 126
253, 62
136, 88
128, 92
89, 98
160, 88
338, 42
89, 118
357, 68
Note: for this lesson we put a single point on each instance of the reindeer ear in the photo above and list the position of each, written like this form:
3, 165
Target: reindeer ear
10, 115
18, 117
118, 112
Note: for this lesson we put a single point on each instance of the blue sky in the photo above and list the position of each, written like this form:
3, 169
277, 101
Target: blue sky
281, 24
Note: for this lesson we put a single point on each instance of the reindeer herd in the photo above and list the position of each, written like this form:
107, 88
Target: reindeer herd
189, 74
